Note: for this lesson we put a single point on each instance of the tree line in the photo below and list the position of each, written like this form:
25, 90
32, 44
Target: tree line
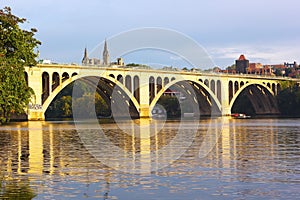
61, 106
288, 100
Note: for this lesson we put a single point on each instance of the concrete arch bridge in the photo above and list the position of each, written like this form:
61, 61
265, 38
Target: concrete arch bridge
138, 90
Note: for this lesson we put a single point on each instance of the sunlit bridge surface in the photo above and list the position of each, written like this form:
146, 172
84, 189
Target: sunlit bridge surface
251, 159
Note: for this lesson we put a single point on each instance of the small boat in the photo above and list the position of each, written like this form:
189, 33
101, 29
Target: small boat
240, 116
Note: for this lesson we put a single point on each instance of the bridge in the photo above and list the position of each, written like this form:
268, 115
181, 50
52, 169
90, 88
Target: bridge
140, 89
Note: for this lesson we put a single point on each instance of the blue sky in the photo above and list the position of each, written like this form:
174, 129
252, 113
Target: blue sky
265, 31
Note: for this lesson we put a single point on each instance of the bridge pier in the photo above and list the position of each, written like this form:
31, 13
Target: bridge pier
145, 111
35, 108
225, 102
225, 111
35, 115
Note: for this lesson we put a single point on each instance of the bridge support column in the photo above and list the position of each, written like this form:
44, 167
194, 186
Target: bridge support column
225, 98
226, 110
145, 111
35, 108
34, 115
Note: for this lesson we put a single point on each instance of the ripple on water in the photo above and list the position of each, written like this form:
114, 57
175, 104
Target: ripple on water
252, 159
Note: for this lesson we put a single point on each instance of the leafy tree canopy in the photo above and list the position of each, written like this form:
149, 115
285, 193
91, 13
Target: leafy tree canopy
17, 49
289, 101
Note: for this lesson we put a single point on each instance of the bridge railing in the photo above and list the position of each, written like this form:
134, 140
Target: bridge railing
173, 71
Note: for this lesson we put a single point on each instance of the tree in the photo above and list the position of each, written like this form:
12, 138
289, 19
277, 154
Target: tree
289, 101
61, 106
171, 105
185, 69
17, 49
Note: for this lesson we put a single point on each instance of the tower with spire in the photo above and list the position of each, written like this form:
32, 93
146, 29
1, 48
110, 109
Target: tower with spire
85, 59
105, 55
89, 61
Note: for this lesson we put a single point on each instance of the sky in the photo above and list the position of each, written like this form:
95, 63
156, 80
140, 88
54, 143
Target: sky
265, 31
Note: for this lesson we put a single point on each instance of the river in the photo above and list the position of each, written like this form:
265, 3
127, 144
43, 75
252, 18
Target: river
219, 158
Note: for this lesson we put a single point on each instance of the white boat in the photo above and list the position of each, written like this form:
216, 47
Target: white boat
240, 116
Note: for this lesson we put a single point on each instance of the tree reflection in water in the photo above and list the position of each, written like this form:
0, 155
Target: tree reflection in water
15, 188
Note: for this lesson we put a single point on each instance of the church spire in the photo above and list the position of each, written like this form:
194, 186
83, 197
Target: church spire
105, 54
85, 57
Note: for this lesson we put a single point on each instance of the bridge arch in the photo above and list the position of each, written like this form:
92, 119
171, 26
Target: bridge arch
120, 78
236, 86
151, 88
206, 89
212, 86
67, 82
55, 81
219, 90
242, 84
274, 88
158, 84
128, 83
269, 102
166, 81
65, 76
45, 86
136, 88
206, 82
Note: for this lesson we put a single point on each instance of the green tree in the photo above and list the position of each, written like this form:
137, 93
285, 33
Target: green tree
101, 107
17, 49
171, 105
61, 106
289, 101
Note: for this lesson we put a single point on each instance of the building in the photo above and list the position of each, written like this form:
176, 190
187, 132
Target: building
291, 65
120, 61
95, 61
105, 55
242, 64
292, 70
89, 61
258, 68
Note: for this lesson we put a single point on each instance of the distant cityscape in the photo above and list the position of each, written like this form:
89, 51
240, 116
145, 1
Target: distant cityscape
241, 66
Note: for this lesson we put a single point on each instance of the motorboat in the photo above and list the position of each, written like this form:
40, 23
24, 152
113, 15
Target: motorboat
240, 116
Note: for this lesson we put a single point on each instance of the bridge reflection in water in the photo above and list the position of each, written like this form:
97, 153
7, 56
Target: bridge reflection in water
52, 152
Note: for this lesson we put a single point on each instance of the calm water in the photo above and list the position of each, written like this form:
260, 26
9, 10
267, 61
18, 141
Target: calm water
211, 159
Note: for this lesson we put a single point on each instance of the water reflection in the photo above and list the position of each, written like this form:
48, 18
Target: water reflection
223, 156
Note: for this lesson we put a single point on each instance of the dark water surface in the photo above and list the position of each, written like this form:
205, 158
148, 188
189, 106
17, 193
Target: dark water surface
211, 159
